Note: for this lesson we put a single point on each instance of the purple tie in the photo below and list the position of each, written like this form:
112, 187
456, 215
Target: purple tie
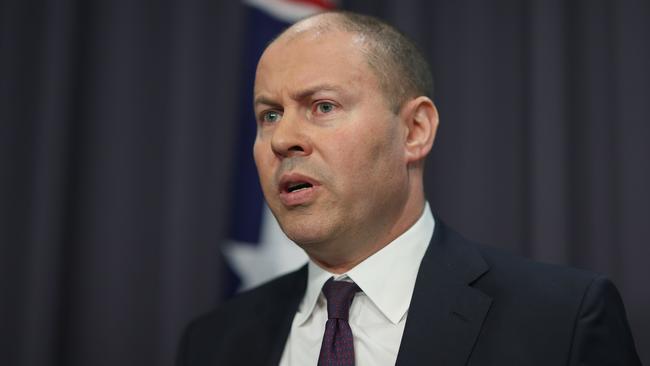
337, 348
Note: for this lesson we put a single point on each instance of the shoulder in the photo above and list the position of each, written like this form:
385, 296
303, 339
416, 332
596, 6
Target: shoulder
547, 311
258, 313
249, 303
528, 275
502, 269
499, 272
579, 311
522, 291
543, 292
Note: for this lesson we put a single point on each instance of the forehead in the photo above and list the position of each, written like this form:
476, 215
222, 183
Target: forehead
314, 56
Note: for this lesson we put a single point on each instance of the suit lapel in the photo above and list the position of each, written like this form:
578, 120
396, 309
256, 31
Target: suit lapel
446, 313
283, 310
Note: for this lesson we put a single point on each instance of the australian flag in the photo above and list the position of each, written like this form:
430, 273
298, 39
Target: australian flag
257, 249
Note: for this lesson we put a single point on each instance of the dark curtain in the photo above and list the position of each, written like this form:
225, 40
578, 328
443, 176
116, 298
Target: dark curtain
116, 128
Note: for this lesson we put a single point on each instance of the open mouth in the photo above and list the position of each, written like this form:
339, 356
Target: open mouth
293, 187
297, 190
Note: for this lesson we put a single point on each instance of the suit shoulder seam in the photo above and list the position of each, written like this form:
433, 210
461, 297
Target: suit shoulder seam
576, 318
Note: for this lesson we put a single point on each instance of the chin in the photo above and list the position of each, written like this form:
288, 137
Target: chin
304, 234
306, 226
303, 238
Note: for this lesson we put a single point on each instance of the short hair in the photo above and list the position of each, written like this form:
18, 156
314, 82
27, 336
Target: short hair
400, 67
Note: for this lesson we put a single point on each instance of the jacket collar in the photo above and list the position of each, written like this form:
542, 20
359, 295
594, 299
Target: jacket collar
286, 301
446, 313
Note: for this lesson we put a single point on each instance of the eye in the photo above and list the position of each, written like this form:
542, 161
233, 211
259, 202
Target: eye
271, 116
325, 107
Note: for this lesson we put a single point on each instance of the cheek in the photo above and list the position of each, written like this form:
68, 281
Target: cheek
261, 153
382, 156
361, 155
262, 162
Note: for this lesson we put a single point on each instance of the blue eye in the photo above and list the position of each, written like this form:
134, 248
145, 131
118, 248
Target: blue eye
271, 116
325, 107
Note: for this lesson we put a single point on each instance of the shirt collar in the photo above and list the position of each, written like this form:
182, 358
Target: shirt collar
390, 291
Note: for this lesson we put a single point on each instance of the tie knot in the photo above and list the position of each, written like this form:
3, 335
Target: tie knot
339, 295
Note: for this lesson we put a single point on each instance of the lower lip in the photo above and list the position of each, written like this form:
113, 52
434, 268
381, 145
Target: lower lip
299, 197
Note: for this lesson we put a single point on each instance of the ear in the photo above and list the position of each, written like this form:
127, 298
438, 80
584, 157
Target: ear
421, 119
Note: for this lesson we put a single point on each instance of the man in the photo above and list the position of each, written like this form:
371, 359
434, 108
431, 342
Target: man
344, 126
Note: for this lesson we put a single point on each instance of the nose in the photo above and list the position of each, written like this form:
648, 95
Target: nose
289, 138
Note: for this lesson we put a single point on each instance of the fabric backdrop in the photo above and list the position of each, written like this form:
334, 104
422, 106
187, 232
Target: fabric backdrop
116, 153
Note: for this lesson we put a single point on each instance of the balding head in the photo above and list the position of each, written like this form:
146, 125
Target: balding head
401, 69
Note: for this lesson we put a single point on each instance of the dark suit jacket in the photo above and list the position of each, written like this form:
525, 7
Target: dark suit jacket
471, 306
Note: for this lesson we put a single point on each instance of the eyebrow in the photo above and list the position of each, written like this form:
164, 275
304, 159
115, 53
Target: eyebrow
300, 95
315, 89
264, 100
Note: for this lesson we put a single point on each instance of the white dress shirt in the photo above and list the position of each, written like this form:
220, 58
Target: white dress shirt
378, 313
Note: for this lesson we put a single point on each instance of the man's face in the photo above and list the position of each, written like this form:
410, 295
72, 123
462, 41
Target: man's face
329, 151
